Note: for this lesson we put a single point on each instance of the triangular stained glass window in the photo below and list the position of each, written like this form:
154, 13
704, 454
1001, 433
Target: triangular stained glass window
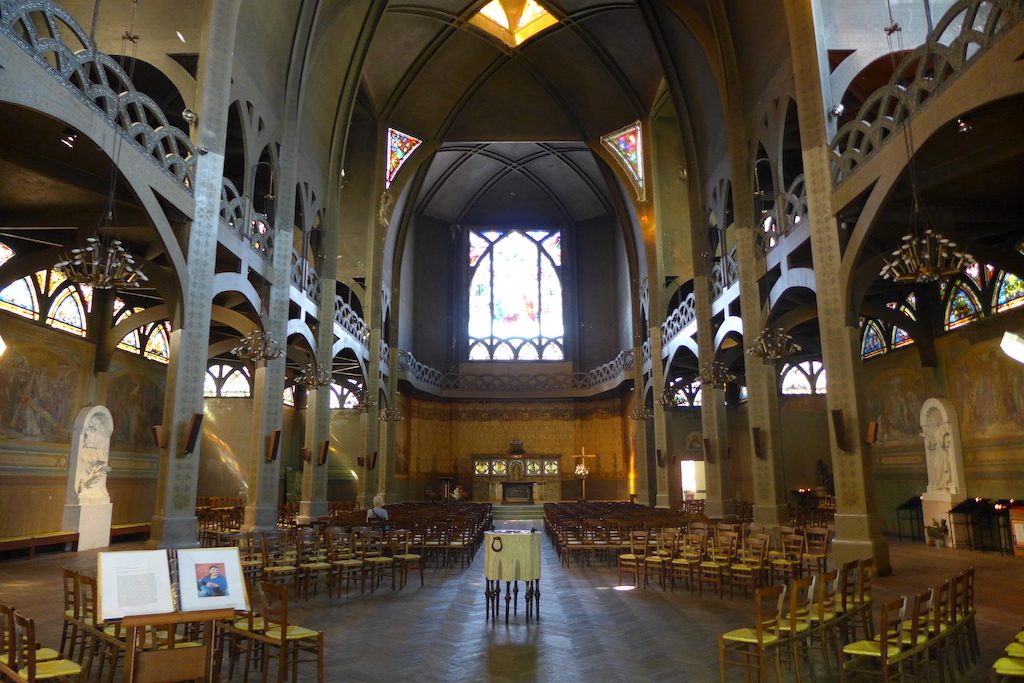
400, 146
513, 22
1010, 292
962, 308
900, 337
627, 146
873, 343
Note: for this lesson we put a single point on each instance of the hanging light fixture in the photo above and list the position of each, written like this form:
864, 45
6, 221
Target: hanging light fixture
391, 414
314, 375
773, 344
923, 255
716, 374
257, 346
102, 265
363, 401
668, 397
640, 413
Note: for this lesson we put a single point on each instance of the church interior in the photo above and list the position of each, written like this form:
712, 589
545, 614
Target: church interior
731, 300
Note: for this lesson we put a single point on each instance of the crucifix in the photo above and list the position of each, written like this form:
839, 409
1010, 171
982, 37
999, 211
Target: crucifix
583, 470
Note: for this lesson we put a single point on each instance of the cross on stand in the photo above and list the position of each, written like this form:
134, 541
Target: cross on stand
582, 458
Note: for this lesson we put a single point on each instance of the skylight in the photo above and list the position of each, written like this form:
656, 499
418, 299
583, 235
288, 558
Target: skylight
513, 22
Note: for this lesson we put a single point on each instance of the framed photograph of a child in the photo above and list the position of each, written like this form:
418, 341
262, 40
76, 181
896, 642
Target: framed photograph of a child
211, 578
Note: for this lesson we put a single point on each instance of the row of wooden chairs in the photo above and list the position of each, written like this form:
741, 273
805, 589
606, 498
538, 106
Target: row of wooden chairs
924, 632
23, 658
791, 619
1012, 665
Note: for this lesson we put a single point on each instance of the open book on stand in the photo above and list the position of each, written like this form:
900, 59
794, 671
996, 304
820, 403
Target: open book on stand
142, 582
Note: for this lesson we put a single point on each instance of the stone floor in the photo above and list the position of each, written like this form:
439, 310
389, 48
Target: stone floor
587, 631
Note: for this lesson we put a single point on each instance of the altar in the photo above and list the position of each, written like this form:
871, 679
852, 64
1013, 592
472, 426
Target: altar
515, 478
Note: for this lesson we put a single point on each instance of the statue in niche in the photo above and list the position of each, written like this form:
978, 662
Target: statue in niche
91, 453
938, 450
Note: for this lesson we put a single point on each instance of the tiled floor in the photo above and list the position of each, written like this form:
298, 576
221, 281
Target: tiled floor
587, 631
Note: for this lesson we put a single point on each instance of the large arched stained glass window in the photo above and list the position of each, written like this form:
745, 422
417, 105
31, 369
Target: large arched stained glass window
1009, 292
963, 307
807, 377
18, 297
67, 312
344, 396
515, 295
227, 381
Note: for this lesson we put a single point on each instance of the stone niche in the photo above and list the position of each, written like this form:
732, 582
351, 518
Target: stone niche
944, 458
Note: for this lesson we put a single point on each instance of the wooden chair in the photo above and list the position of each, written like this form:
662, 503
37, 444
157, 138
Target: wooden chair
878, 657
341, 553
399, 543
789, 562
278, 556
815, 556
289, 640
748, 647
375, 562
633, 560
686, 564
749, 565
714, 570
795, 625
241, 635
657, 561
311, 563
70, 633
862, 598
26, 653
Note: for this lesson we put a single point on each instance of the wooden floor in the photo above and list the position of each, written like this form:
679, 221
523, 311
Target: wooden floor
587, 631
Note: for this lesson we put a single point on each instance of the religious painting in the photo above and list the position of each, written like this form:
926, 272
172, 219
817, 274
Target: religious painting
136, 402
37, 391
988, 390
693, 441
894, 400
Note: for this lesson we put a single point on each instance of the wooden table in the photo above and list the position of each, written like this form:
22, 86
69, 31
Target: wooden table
512, 556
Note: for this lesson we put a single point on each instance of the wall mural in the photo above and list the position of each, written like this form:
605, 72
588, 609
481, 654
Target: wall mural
989, 391
894, 400
38, 392
136, 403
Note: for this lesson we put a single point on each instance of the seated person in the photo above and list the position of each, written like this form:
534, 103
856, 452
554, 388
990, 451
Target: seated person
377, 513
214, 584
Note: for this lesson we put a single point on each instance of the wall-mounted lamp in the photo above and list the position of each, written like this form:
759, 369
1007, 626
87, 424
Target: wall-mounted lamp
189, 116
344, 181
836, 111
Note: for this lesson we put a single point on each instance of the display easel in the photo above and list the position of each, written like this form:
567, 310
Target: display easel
174, 663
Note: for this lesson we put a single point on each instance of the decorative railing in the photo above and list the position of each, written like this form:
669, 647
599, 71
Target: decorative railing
684, 314
420, 372
486, 381
236, 211
53, 38
385, 354
794, 212
723, 274
305, 277
964, 32
349, 320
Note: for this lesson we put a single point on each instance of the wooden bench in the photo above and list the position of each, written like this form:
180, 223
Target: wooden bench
69, 539
129, 531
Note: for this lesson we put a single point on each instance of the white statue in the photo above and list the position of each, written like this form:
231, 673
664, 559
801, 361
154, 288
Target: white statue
942, 450
90, 454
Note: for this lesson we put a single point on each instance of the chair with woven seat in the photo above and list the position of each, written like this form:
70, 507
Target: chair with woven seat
399, 546
967, 611
311, 563
748, 647
278, 558
241, 635
346, 566
815, 555
27, 652
862, 597
715, 569
878, 657
70, 633
289, 640
788, 563
658, 559
746, 571
375, 563
795, 624
686, 564
633, 560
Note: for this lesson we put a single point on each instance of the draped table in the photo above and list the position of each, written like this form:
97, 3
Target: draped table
512, 556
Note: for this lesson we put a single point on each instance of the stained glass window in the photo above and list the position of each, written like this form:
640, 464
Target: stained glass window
687, 394
873, 340
807, 377
513, 315
158, 342
131, 342
20, 298
513, 22
963, 307
227, 381
343, 396
973, 271
627, 147
1009, 292
900, 337
67, 312
400, 146
289, 396
6, 253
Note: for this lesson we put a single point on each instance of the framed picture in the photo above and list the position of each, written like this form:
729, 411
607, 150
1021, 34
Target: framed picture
211, 578
693, 441
133, 582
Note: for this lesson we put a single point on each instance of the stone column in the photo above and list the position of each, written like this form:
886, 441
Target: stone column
660, 431
858, 525
762, 389
641, 463
262, 477
175, 524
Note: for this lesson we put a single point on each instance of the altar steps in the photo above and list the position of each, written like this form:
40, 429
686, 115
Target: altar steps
506, 512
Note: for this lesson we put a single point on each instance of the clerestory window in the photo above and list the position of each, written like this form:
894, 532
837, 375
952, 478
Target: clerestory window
515, 295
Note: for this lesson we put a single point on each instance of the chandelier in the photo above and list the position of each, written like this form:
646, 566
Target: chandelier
716, 374
102, 265
363, 401
668, 397
773, 344
391, 414
314, 375
640, 413
924, 257
257, 346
